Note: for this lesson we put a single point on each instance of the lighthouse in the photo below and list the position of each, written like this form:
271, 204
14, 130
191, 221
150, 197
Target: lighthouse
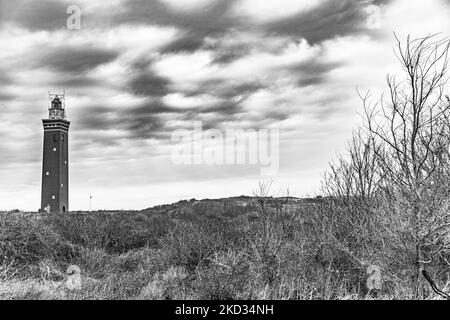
55, 164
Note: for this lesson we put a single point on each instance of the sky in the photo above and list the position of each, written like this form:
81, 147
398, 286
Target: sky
137, 72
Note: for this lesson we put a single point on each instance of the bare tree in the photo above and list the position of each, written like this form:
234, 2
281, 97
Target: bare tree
271, 233
411, 131
354, 175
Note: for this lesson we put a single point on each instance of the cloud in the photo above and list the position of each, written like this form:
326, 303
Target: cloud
138, 70
75, 81
313, 72
187, 42
208, 20
35, 15
4, 77
147, 83
188, 5
71, 59
141, 121
267, 11
326, 21
5, 96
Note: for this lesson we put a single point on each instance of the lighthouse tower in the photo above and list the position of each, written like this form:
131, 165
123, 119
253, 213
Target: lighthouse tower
55, 165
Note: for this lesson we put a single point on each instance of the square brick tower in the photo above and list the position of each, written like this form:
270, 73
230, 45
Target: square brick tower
55, 165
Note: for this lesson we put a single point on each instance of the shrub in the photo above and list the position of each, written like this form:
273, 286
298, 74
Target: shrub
169, 285
226, 278
93, 262
25, 240
190, 245
116, 233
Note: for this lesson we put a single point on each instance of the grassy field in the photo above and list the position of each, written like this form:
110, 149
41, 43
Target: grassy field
237, 248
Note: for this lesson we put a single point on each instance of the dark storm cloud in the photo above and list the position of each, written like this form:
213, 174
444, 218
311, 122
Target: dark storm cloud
73, 59
3, 11
35, 15
226, 89
213, 117
75, 81
143, 81
225, 108
312, 72
140, 122
4, 78
96, 117
242, 89
147, 83
212, 19
329, 20
188, 42
149, 119
230, 54
310, 80
154, 107
4, 96
145, 127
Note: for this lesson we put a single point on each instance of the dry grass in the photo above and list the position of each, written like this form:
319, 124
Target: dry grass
198, 257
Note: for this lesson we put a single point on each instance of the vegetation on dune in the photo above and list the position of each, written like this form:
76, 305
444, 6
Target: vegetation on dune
267, 250
277, 248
